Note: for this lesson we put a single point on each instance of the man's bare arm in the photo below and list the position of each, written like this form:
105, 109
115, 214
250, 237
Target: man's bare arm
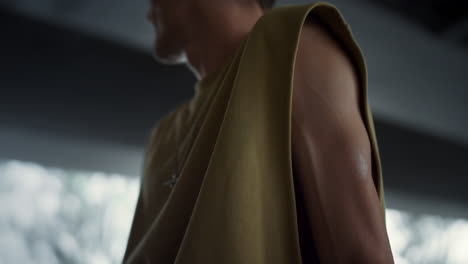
332, 154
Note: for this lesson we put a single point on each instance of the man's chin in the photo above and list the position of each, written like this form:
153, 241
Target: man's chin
170, 58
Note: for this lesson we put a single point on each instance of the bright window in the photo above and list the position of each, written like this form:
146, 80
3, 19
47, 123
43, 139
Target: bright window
50, 215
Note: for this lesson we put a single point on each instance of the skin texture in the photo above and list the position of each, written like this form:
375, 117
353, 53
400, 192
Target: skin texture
332, 154
330, 145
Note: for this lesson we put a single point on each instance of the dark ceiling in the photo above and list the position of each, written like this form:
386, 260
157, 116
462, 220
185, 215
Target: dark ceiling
438, 16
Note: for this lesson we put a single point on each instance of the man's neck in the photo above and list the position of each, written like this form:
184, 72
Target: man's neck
219, 39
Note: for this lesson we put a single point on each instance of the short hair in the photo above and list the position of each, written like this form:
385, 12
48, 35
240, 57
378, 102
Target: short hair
266, 4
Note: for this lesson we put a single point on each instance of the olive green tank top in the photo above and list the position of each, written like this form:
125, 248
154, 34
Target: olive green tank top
218, 183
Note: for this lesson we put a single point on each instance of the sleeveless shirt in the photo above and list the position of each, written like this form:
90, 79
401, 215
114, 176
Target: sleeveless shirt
229, 149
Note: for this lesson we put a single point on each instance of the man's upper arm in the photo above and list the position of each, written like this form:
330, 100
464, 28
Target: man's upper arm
332, 154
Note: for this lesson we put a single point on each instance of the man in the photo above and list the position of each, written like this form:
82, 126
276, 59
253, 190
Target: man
248, 171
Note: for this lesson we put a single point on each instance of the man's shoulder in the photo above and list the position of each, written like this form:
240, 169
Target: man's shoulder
285, 13
284, 23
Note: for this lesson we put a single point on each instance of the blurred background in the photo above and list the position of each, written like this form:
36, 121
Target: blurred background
80, 92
